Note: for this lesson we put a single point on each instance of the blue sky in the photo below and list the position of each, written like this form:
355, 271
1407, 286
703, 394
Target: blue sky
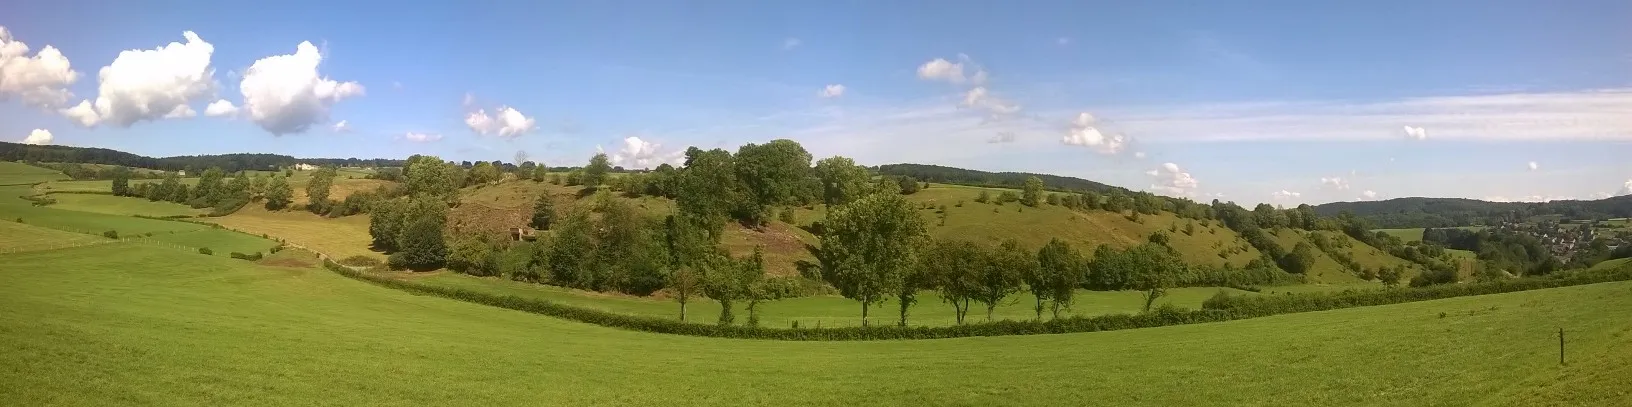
1255, 101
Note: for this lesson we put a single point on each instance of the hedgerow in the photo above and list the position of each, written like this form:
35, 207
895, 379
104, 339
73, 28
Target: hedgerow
1218, 309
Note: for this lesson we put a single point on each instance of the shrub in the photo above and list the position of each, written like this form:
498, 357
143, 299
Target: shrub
360, 261
19, 220
396, 261
787, 216
251, 257
112, 234
205, 251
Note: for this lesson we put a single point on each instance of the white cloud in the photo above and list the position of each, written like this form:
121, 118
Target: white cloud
41, 80
791, 43
1533, 166
285, 94
1626, 189
831, 91
1415, 133
1581, 115
181, 112
979, 97
1368, 195
1139, 154
1063, 41
1083, 133
421, 137
1173, 180
1337, 183
220, 108
1283, 195
637, 153
943, 70
38, 137
505, 122
150, 84
341, 127
1002, 137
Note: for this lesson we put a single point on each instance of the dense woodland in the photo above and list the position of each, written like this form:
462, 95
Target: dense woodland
1448, 212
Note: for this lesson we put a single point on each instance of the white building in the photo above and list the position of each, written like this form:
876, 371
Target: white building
305, 167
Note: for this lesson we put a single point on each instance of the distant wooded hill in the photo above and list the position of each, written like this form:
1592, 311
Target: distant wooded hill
1445, 212
193, 163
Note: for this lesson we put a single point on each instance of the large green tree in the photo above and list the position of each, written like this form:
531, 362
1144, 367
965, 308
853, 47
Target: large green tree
771, 174
868, 245
841, 180
278, 193
429, 175
1032, 192
484, 173
420, 241
385, 220
543, 212
1005, 270
708, 189
317, 189
955, 267
1059, 273
209, 187
121, 182
595, 172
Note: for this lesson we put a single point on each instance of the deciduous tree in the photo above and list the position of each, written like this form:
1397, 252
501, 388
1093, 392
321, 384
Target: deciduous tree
955, 267
868, 245
1032, 192
841, 179
1005, 271
278, 193
1059, 273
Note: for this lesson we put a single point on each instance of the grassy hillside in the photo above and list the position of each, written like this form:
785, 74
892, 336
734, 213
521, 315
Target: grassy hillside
178, 328
12, 208
121, 205
14, 173
340, 237
16, 237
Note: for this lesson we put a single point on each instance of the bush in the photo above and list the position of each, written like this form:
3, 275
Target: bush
396, 261
112, 234
360, 261
251, 257
205, 251
787, 216
19, 220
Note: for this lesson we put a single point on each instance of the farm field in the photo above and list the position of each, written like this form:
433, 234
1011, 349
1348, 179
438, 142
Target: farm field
13, 208
830, 311
14, 173
122, 205
180, 328
340, 237
17, 237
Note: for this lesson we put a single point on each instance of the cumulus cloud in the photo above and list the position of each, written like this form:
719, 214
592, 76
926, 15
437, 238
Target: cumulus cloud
285, 94
1084, 133
1139, 154
1337, 183
41, 80
831, 91
505, 122
1415, 133
1368, 195
942, 70
1172, 179
38, 137
980, 98
1626, 189
220, 108
638, 153
1002, 137
150, 84
1283, 195
1533, 166
791, 43
341, 127
421, 137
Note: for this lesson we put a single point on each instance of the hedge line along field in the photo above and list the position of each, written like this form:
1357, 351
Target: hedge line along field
828, 310
16, 237
179, 328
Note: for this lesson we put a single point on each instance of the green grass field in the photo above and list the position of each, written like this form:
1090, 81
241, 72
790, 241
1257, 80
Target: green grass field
15, 237
830, 311
13, 208
124, 324
122, 205
15, 173
339, 237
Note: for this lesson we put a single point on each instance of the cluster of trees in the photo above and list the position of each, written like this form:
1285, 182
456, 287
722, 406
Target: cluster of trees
1516, 253
79, 171
213, 190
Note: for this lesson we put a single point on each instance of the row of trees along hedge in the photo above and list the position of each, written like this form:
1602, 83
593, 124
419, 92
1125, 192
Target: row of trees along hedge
1222, 307
213, 190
